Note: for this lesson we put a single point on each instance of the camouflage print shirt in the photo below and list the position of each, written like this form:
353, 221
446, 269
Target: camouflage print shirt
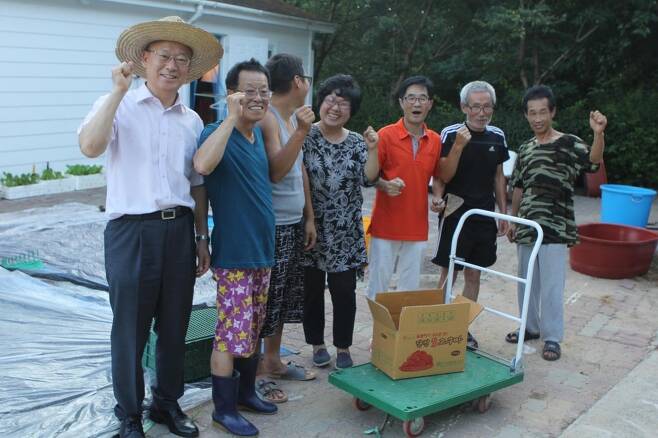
547, 173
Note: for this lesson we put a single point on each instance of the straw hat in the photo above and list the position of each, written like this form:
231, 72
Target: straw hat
206, 50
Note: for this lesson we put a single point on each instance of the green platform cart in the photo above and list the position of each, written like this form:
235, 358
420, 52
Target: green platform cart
410, 400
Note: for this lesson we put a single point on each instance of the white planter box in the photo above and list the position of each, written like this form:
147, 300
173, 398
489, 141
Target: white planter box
40, 188
85, 182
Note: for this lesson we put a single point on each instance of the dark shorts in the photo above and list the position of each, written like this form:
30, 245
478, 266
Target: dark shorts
285, 303
476, 245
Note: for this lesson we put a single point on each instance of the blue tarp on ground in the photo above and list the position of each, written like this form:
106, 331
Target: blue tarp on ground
55, 375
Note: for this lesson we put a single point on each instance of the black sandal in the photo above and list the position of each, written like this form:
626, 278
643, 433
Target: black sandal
551, 351
471, 342
513, 337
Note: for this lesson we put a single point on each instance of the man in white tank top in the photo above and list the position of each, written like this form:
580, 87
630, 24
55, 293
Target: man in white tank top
285, 127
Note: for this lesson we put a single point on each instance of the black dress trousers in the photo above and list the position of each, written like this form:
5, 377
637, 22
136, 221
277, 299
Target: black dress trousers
150, 268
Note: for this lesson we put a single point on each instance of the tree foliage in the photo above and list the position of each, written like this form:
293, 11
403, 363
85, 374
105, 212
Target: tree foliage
593, 54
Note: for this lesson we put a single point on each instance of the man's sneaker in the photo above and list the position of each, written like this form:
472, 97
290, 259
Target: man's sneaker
321, 357
343, 360
471, 342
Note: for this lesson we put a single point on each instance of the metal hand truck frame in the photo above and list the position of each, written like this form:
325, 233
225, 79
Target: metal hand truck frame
409, 400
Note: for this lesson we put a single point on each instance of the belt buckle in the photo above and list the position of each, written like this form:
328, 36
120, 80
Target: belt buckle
167, 214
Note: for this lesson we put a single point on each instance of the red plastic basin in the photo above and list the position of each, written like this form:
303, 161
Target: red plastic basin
613, 251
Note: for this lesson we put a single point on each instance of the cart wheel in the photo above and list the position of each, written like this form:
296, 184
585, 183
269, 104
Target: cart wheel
483, 403
414, 427
361, 405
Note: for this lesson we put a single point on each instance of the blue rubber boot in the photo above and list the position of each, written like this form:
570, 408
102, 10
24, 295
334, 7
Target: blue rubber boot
224, 396
247, 397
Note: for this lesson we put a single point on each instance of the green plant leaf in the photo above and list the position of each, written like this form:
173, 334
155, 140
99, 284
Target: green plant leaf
83, 169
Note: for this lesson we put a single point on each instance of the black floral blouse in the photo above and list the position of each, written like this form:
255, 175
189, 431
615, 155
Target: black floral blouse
336, 173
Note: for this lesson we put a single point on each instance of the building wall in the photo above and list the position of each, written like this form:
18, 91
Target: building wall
56, 60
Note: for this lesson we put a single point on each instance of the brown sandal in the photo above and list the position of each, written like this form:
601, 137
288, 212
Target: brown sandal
267, 391
293, 371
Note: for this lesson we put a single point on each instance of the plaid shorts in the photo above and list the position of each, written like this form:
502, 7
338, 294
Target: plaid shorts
241, 302
285, 300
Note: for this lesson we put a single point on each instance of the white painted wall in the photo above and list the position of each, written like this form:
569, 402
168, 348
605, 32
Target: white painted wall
56, 58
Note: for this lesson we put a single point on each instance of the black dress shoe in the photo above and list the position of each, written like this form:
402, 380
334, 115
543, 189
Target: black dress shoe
131, 427
177, 422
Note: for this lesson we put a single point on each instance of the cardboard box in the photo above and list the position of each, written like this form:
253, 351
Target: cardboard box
415, 334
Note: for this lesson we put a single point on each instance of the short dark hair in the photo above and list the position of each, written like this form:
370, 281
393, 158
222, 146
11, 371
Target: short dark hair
344, 86
416, 80
283, 68
233, 75
539, 92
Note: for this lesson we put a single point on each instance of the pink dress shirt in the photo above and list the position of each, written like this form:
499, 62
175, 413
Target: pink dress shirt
149, 157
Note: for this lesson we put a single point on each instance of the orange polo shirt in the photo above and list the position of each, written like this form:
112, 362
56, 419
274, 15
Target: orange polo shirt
404, 217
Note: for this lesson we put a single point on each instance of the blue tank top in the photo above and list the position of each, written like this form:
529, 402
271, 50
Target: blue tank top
240, 196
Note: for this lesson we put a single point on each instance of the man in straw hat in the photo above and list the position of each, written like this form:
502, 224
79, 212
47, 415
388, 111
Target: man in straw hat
150, 136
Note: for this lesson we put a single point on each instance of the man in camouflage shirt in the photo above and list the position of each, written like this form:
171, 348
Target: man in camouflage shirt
543, 180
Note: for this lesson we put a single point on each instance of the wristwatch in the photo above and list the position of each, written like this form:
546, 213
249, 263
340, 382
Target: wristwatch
200, 237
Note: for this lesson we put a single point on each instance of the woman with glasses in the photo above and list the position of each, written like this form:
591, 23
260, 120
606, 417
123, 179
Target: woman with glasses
339, 162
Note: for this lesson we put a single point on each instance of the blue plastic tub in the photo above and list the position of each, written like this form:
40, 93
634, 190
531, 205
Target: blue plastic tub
627, 205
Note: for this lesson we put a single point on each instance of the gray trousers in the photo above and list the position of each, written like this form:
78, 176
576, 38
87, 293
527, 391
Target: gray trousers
546, 306
150, 268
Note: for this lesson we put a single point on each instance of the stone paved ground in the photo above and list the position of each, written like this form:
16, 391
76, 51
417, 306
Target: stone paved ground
610, 328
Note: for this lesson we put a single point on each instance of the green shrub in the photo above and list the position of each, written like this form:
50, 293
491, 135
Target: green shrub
49, 174
24, 179
83, 169
631, 153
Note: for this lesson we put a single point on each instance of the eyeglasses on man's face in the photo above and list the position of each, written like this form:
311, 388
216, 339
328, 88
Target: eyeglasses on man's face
331, 101
475, 109
308, 78
413, 98
252, 93
164, 57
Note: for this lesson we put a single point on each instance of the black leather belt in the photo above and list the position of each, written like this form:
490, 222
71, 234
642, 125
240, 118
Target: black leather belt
167, 214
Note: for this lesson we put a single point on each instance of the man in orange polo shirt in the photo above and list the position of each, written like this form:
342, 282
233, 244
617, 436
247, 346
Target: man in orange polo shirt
408, 156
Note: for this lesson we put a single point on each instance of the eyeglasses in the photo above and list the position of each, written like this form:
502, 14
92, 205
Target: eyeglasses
165, 57
475, 109
251, 93
308, 78
412, 98
343, 105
